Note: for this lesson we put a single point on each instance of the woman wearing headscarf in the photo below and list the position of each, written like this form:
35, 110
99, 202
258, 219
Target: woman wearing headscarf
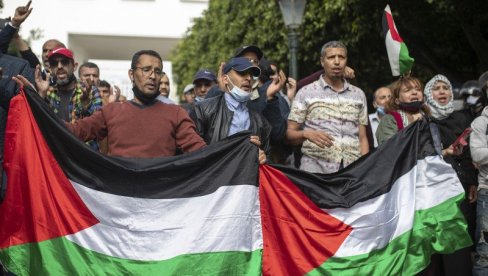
439, 99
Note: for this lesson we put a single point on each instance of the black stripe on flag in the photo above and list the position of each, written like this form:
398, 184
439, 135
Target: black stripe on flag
384, 24
232, 161
370, 176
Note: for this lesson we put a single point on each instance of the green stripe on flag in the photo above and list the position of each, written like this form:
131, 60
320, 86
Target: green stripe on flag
440, 229
62, 257
406, 62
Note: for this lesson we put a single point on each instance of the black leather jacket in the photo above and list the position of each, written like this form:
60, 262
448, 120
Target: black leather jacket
213, 119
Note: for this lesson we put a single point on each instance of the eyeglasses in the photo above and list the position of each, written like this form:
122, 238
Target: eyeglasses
147, 71
64, 62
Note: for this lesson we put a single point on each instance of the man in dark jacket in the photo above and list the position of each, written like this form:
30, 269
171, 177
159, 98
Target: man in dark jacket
10, 66
227, 114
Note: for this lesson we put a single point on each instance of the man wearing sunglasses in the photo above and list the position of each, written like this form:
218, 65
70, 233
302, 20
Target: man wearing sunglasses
70, 99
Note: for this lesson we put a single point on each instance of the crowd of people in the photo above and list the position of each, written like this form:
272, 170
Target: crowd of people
322, 127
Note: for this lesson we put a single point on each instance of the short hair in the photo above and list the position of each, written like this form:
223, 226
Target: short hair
376, 91
88, 65
137, 55
58, 43
332, 44
104, 83
409, 82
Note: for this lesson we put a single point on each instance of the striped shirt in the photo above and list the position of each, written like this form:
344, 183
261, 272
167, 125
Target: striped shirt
318, 106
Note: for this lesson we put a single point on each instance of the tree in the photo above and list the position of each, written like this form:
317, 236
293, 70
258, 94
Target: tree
444, 36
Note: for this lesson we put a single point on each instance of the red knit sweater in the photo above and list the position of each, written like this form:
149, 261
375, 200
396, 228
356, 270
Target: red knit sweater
136, 131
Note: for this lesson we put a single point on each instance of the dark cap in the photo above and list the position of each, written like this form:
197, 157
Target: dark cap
241, 64
239, 52
65, 52
204, 74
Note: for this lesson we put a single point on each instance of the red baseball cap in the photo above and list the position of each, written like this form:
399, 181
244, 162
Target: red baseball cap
65, 52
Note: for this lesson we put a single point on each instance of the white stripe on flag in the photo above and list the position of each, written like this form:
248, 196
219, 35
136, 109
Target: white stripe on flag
378, 221
160, 229
435, 183
393, 49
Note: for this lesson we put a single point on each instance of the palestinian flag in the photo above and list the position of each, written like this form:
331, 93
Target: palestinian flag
400, 61
72, 211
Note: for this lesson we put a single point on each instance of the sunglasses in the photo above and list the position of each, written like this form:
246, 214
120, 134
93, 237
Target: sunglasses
64, 62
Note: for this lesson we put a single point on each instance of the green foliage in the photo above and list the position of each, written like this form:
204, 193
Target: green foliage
34, 34
444, 36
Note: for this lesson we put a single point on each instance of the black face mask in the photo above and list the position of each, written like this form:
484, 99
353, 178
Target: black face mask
145, 99
411, 107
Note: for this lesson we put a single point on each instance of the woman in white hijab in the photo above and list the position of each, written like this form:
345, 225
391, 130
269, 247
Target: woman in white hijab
439, 98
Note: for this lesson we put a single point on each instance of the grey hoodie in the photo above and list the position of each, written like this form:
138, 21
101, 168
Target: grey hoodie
478, 143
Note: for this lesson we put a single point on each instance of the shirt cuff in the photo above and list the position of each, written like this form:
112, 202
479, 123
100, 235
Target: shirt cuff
12, 25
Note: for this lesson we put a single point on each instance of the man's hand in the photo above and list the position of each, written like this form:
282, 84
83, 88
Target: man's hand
220, 76
115, 95
451, 150
318, 137
276, 85
473, 194
86, 89
22, 81
116, 91
256, 140
291, 88
349, 73
21, 14
42, 84
262, 157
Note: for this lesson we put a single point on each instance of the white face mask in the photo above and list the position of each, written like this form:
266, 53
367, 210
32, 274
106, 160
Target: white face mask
471, 100
199, 99
238, 94
381, 110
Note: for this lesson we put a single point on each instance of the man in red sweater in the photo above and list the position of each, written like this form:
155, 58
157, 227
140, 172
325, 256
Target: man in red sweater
143, 127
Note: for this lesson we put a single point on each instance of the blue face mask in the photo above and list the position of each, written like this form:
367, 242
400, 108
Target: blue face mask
239, 94
380, 110
199, 99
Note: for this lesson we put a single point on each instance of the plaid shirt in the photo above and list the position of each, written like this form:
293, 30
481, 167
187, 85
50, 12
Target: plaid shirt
76, 109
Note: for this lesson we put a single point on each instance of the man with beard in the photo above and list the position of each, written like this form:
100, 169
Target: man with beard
164, 85
164, 90
70, 99
143, 127
333, 114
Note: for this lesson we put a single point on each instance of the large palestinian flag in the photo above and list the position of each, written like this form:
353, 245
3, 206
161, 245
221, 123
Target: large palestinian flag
400, 60
71, 211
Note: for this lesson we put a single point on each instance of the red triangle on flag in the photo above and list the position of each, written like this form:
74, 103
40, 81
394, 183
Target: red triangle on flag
391, 25
298, 236
40, 202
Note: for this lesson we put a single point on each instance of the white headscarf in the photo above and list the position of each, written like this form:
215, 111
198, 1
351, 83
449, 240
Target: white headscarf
438, 111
